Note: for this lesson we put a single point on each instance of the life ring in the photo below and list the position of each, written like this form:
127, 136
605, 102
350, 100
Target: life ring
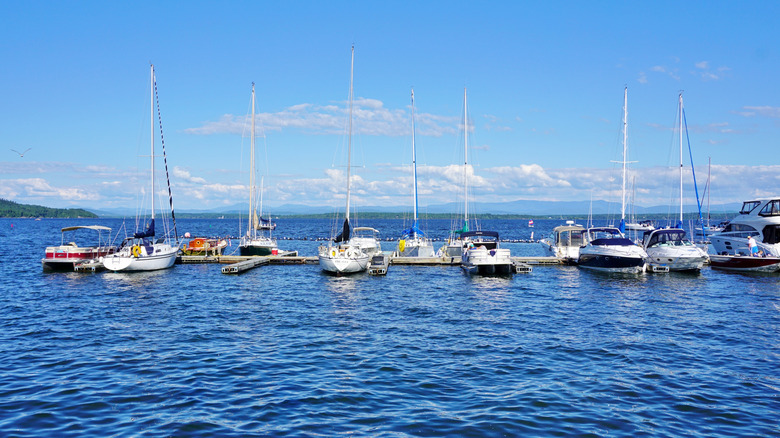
136, 251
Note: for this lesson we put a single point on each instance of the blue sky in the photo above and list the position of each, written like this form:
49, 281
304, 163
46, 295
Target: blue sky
545, 87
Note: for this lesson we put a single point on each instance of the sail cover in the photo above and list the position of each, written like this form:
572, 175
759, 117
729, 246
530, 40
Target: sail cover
413, 231
148, 233
345, 233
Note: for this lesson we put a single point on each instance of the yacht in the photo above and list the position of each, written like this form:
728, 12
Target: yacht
669, 247
759, 218
564, 242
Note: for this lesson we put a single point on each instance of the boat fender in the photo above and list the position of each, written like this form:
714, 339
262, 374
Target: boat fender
401, 245
136, 251
333, 253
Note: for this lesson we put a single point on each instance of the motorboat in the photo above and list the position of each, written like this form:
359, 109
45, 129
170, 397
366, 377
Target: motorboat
642, 226
607, 249
745, 263
669, 247
65, 256
367, 239
758, 218
564, 242
204, 246
483, 256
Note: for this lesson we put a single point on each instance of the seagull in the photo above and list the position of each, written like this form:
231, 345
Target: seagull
21, 154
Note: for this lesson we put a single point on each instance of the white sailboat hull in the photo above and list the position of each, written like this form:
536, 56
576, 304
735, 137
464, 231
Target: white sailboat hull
416, 248
343, 260
163, 256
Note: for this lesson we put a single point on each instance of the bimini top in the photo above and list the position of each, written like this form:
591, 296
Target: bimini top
480, 233
87, 227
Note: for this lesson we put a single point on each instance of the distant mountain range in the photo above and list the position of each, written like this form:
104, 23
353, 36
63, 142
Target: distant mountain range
519, 207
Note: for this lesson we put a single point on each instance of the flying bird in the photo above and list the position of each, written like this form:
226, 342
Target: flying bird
21, 154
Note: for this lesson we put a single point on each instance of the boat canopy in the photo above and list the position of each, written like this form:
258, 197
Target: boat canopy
87, 227
480, 233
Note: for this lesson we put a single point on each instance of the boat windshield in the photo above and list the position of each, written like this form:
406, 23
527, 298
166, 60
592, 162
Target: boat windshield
666, 238
772, 208
749, 206
604, 233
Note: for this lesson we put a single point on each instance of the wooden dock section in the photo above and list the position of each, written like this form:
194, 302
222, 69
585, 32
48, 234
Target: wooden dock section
245, 265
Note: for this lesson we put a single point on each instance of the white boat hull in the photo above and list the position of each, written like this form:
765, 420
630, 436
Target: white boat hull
416, 248
688, 258
343, 260
162, 257
480, 261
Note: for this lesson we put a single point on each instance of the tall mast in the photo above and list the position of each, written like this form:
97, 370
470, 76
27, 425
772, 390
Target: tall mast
465, 159
152, 135
625, 148
414, 162
349, 148
251, 221
681, 159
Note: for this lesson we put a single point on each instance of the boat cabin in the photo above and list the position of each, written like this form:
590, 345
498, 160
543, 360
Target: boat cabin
607, 236
666, 237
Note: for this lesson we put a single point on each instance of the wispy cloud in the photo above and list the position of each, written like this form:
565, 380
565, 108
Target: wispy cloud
765, 111
370, 117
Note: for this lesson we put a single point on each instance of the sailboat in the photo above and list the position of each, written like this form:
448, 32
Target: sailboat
607, 248
413, 242
254, 243
342, 256
709, 229
668, 246
142, 252
456, 242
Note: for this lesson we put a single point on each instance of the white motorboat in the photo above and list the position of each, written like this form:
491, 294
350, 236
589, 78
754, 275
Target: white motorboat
669, 247
254, 243
413, 242
607, 249
564, 242
367, 239
483, 256
342, 256
142, 252
758, 218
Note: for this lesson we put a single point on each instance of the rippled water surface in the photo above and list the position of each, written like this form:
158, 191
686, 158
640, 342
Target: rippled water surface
424, 351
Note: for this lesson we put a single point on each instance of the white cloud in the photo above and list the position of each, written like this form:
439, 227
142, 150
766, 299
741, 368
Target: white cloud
370, 117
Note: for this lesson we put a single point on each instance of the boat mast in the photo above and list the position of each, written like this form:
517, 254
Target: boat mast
251, 220
349, 147
152, 135
465, 162
414, 166
625, 136
681, 159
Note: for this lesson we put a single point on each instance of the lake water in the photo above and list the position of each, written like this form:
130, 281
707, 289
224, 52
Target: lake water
424, 351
